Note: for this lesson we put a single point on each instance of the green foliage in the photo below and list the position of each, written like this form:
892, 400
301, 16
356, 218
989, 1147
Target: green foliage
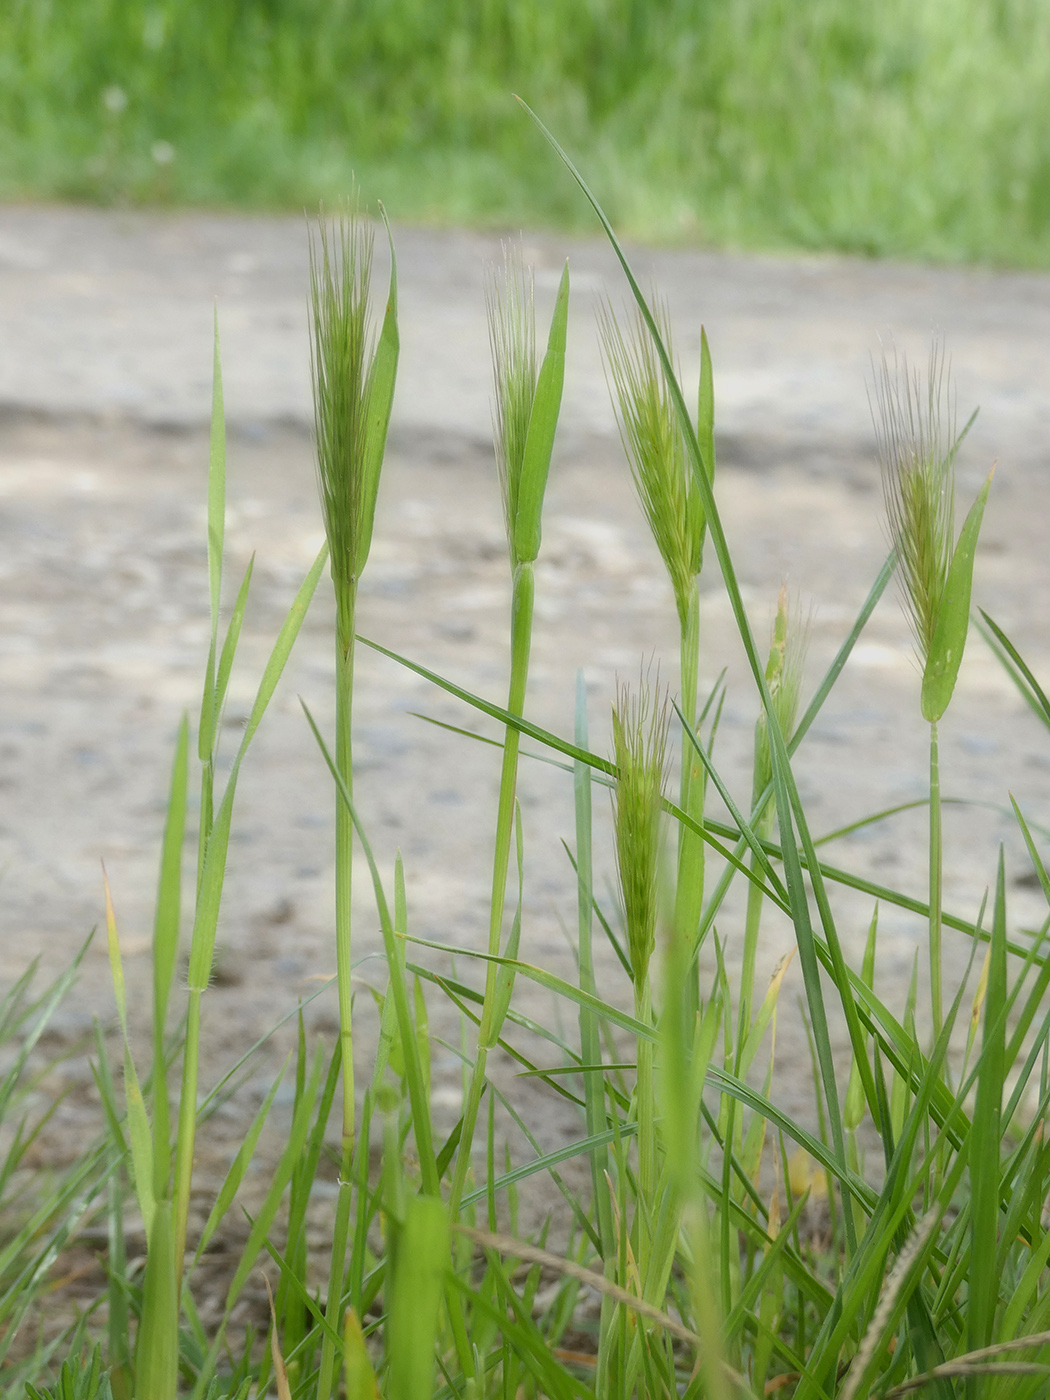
873, 126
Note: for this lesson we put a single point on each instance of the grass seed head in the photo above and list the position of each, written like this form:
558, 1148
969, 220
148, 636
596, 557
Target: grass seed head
653, 441
510, 302
787, 656
915, 430
341, 359
640, 721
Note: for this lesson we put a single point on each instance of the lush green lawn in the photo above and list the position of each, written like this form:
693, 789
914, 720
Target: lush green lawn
906, 127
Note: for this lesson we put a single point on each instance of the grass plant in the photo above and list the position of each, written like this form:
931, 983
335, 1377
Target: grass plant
918, 446
353, 393
670, 498
890, 1240
526, 406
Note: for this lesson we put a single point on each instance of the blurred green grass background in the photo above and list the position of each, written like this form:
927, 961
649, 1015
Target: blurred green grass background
916, 128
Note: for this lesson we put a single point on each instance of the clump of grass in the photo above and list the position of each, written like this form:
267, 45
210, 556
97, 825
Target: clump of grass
932, 1263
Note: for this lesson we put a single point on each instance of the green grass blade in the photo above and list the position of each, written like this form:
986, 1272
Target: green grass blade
543, 423
139, 1132
379, 398
415, 1299
157, 1346
165, 953
705, 419
229, 644
398, 985
216, 533
553, 983
216, 484
986, 1135
1015, 667
743, 825
238, 1167
953, 616
209, 900
293, 1150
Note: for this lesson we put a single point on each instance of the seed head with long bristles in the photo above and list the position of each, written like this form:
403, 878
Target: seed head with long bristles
509, 298
915, 431
341, 358
640, 721
652, 439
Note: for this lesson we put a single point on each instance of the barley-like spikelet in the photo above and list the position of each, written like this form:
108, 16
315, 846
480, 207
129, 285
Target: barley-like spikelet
787, 655
341, 356
652, 439
915, 431
640, 722
510, 303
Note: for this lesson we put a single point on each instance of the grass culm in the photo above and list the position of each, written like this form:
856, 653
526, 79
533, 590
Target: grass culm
888, 1238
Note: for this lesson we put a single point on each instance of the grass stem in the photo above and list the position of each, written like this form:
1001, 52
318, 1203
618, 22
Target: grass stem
936, 886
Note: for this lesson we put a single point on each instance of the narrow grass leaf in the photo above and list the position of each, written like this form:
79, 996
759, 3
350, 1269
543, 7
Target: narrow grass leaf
165, 953
379, 398
202, 945
986, 1134
239, 1166
1033, 852
216, 533
705, 420
1015, 666
169, 890
543, 423
216, 482
399, 988
953, 615
157, 1347
415, 1299
229, 648
361, 1381
261, 1224
280, 1370
743, 825
139, 1131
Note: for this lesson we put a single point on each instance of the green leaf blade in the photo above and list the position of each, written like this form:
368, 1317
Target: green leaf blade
543, 423
953, 616
382, 377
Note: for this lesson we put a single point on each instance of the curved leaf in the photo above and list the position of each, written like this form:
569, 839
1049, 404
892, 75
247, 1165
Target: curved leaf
953, 616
